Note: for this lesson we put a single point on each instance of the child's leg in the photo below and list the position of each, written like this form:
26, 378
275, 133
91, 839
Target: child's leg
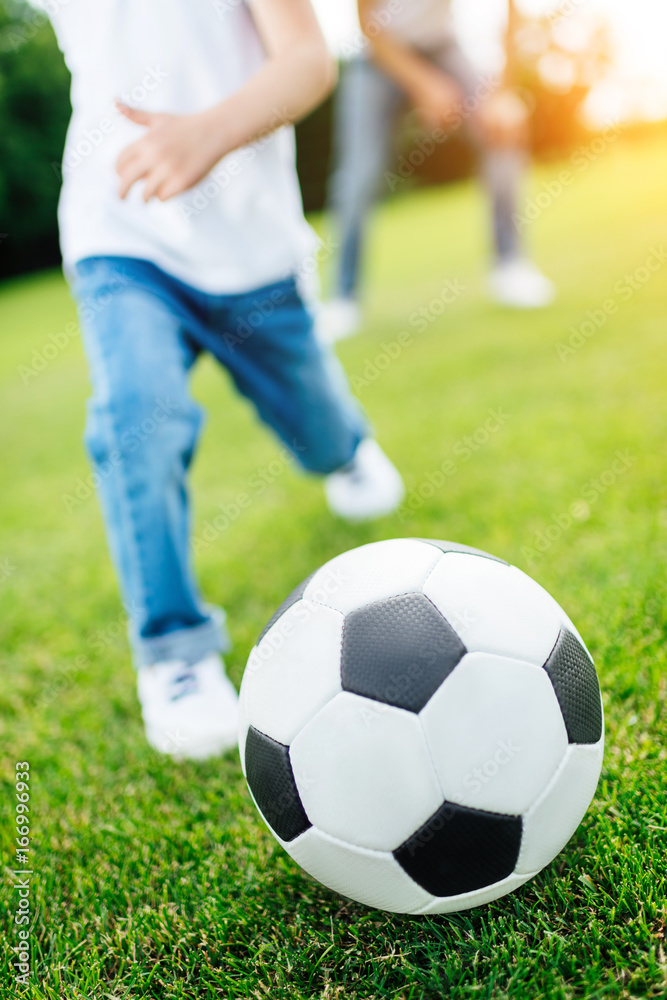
141, 433
265, 338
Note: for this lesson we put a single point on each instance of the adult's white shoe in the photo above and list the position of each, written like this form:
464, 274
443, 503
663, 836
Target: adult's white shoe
337, 319
189, 711
368, 487
521, 284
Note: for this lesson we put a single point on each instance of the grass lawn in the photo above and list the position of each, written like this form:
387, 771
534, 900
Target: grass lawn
156, 879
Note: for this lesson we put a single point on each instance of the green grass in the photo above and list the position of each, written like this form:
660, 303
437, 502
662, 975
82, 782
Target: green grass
156, 879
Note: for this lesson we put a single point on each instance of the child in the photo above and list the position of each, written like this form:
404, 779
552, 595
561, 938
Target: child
174, 247
414, 57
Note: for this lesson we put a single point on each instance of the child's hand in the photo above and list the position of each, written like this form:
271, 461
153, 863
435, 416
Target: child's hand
176, 152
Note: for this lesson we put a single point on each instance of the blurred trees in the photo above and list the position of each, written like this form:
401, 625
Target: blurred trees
314, 150
34, 111
555, 60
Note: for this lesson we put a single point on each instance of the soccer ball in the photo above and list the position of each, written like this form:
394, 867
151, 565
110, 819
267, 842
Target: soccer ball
421, 726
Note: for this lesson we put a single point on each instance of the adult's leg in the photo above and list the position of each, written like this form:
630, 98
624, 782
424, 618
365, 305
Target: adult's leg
366, 105
141, 433
501, 170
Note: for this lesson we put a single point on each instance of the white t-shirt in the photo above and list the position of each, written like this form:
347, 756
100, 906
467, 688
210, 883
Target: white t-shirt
243, 225
425, 24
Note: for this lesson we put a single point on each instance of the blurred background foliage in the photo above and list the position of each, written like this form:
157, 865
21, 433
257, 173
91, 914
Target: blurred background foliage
552, 70
34, 111
554, 63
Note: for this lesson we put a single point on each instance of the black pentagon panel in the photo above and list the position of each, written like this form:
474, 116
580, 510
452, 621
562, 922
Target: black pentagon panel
577, 688
460, 850
456, 547
271, 781
398, 651
295, 596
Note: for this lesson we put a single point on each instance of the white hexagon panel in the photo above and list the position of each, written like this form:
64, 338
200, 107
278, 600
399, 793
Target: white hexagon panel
372, 572
496, 733
363, 772
371, 877
493, 607
294, 669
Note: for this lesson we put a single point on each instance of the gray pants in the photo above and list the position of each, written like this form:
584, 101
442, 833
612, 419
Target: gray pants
367, 105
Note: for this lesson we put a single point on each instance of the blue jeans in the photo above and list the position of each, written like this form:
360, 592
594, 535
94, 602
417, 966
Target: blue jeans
367, 105
143, 330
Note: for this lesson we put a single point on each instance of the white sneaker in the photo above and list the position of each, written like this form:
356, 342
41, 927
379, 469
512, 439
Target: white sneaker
368, 487
338, 319
521, 284
189, 711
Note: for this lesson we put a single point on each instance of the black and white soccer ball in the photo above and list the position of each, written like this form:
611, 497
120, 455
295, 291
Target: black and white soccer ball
421, 726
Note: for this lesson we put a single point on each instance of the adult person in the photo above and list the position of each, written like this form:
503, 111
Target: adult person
414, 59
